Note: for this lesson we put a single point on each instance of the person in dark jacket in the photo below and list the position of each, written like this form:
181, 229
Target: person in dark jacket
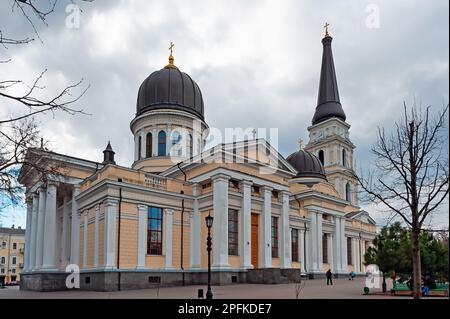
329, 275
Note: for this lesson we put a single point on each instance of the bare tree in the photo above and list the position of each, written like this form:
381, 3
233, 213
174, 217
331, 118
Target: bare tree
411, 173
20, 145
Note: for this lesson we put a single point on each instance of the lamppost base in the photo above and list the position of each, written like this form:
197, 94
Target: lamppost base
209, 294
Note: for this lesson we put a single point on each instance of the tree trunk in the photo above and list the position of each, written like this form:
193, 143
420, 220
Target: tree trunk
417, 278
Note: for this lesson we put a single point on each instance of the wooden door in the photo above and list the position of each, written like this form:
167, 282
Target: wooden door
255, 244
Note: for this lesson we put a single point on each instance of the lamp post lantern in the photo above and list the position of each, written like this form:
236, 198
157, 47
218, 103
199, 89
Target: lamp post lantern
209, 222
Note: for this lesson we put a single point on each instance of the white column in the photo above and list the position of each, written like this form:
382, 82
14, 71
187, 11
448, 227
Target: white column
143, 144
308, 252
267, 223
344, 262
50, 228
363, 248
85, 231
246, 224
75, 228
319, 242
285, 234
26, 262
313, 265
40, 229
195, 256
142, 235
302, 250
136, 148
110, 233
337, 245
65, 232
168, 141
96, 234
34, 226
220, 224
155, 142
354, 256
358, 253
169, 234
331, 253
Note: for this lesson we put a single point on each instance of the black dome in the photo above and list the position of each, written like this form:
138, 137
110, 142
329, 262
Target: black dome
306, 164
170, 88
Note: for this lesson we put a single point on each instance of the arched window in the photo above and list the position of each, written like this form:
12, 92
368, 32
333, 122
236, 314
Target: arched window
162, 143
139, 147
149, 145
190, 146
344, 158
347, 192
322, 157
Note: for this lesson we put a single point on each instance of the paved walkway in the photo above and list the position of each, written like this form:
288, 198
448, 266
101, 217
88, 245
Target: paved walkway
313, 289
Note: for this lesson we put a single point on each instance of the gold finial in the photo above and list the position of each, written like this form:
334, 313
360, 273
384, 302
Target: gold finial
300, 143
171, 56
326, 29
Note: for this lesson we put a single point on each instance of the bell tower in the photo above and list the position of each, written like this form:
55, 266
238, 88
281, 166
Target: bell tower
329, 137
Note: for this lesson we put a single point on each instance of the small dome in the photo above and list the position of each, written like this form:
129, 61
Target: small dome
306, 164
169, 88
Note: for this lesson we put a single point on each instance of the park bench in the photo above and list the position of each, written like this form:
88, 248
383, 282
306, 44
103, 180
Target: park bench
403, 289
400, 288
440, 290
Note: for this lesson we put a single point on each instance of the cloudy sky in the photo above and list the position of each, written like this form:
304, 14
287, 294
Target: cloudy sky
257, 63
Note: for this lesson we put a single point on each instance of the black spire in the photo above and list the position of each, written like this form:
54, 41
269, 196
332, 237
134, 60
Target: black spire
328, 104
108, 155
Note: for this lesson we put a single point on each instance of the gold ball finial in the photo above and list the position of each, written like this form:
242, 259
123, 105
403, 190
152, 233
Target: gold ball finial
326, 29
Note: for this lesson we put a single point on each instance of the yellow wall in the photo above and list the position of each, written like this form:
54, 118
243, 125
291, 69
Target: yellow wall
19, 239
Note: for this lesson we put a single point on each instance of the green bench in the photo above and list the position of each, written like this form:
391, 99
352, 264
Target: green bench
441, 289
401, 288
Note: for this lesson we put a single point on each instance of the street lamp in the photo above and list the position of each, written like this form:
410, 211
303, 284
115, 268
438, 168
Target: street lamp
209, 222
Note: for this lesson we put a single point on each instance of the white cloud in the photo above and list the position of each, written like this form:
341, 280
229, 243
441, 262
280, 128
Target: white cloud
257, 63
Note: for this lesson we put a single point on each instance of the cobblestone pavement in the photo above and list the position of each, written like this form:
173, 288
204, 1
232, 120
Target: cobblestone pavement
342, 288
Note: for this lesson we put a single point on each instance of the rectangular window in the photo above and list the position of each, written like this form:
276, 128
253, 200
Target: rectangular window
325, 248
14, 260
2, 260
14, 245
3, 270
233, 232
274, 237
349, 251
14, 270
294, 244
154, 231
4, 245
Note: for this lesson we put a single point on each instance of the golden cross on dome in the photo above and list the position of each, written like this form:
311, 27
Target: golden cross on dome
326, 29
254, 133
300, 143
171, 52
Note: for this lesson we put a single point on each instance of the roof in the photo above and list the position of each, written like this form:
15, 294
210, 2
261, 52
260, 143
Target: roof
12, 231
328, 103
169, 88
355, 214
306, 164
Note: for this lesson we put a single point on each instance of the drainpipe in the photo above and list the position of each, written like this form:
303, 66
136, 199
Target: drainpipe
182, 226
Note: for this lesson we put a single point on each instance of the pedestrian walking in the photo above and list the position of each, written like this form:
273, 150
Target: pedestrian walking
329, 275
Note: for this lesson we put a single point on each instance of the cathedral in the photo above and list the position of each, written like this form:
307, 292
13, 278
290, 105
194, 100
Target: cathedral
275, 218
